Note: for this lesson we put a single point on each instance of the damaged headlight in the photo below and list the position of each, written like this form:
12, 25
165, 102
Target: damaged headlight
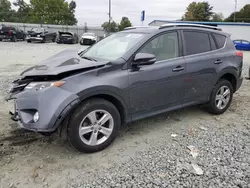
43, 85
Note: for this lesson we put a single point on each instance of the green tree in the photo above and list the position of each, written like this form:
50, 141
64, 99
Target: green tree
23, 12
125, 22
112, 27
6, 13
52, 12
198, 11
242, 16
217, 17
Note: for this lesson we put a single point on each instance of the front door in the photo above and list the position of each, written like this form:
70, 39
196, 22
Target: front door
156, 87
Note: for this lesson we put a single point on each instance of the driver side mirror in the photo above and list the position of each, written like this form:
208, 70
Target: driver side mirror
144, 59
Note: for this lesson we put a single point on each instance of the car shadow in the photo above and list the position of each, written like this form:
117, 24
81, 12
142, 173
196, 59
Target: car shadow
18, 138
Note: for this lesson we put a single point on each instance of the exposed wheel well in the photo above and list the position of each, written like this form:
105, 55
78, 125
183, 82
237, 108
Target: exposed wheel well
120, 107
231, 78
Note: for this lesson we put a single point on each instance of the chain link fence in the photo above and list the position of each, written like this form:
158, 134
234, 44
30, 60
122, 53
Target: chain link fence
79, 30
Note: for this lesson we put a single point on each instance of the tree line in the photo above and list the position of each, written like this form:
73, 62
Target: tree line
39, 12
203, 11
196, 11
62, 12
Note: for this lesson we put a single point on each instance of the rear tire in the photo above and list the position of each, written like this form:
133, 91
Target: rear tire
28, 41
94, 125
221, 97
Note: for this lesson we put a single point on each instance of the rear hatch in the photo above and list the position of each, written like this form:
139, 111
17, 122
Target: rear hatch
5, 30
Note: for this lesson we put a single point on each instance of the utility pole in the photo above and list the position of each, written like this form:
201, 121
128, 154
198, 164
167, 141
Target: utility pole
109, 16
235, 9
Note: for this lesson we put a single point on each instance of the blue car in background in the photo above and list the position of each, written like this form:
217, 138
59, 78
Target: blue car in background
242, 44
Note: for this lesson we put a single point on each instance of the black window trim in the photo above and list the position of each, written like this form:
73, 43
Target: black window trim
184, 44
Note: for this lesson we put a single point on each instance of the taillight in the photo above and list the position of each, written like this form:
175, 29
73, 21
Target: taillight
239, 54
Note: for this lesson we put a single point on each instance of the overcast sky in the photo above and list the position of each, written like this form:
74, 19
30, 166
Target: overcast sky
94, 12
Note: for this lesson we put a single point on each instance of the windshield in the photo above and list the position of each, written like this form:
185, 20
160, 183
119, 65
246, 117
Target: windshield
89, 34
37, 30
114, 46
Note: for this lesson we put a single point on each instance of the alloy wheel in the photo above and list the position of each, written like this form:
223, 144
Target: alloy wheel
222, 97
96, 127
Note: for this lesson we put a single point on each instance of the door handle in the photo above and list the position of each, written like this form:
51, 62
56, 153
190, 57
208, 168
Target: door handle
218, 61
178, 69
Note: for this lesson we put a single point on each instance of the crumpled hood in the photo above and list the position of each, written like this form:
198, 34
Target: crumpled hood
65, 61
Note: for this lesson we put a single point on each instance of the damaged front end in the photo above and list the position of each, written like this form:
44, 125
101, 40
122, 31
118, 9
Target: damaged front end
39, 103
17, 87
41, 96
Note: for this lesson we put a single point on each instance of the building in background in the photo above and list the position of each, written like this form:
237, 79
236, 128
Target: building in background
236, 29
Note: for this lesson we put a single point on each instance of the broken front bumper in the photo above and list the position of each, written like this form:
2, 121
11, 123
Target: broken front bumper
35, 39
52, 104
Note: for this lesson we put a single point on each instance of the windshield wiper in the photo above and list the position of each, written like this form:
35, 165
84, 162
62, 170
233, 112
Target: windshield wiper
89, 58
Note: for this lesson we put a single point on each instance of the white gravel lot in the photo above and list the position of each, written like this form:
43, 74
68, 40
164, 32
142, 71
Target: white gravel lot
144, 155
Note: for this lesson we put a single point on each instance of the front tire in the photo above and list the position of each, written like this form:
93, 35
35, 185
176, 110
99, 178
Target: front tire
54, 39
81, 42
221, 97
94, 125
44, 40
13, 38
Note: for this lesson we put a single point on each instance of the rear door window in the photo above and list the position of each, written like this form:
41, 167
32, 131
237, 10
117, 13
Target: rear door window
196, 42
220, 40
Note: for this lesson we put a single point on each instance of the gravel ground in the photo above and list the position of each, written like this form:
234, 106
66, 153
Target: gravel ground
154, 152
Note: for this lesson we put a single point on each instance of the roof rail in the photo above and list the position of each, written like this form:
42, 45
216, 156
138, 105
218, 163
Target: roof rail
137, 27
189, 25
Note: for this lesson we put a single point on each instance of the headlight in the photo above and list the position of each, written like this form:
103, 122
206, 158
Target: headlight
38, 35
43, 85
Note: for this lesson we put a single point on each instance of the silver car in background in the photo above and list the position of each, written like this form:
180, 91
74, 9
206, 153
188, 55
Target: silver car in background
88, 39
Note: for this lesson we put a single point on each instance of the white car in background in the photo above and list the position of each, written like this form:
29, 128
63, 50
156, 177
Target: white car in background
88, 39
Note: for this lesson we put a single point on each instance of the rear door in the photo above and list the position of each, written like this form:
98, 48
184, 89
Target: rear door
202, 63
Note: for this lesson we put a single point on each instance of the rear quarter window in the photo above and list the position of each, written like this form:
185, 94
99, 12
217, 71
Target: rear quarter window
220, 40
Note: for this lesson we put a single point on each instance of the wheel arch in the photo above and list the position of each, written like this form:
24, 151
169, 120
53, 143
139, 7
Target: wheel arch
116, 100
231, 77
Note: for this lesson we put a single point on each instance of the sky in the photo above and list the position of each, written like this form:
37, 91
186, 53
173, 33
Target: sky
95, 12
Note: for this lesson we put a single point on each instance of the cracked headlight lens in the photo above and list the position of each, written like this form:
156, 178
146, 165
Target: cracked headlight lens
43, 85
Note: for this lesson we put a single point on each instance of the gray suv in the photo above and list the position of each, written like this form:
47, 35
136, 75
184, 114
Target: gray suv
130, 75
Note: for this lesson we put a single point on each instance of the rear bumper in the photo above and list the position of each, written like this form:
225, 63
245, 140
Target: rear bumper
52, 105
5, 37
